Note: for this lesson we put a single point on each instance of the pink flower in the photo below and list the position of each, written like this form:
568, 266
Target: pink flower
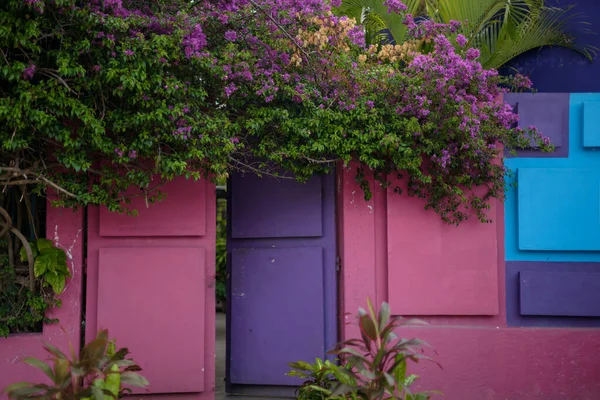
29, 72
395, 6
231, 36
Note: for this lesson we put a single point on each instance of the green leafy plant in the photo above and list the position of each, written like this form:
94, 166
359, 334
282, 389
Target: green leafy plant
50, 264
320, 378
99, 371
372, 367
32, 272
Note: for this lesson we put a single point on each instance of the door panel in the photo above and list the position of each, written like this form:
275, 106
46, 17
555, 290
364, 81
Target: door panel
272, 337
282, 293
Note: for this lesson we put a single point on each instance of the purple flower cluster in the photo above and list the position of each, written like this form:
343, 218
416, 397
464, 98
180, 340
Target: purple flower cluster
29, 72
357, 36
194, 42
231, 36
395, 6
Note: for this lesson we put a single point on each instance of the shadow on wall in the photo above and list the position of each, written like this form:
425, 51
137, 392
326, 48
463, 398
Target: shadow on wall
575, 73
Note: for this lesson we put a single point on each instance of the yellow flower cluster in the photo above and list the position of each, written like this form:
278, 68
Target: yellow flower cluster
397, 52
321, 38
327, 32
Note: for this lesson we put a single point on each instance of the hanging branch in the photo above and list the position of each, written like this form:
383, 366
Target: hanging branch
8, 226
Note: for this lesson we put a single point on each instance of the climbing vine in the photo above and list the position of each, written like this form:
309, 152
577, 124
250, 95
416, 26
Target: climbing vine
98, 96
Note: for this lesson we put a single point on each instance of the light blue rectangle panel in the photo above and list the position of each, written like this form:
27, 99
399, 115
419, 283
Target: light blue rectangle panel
591, 124
559, 230
558, 209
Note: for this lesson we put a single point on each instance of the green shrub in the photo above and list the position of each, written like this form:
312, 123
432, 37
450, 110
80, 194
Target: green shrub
99, 371
372, 367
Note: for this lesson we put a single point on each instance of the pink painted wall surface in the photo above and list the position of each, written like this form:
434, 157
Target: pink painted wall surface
65, 228
150, 282
482, 358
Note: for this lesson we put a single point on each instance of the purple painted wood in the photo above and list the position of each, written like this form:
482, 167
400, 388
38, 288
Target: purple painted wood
552, 290
278, 314
283, 290
263, 214
571, 294
549, 112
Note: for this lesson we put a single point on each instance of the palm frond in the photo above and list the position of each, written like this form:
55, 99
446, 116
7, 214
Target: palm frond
391, 21
500, 29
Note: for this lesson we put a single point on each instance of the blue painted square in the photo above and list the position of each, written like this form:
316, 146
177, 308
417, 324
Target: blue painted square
591, 124
558, 209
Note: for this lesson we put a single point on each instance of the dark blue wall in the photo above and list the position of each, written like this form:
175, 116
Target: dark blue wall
561, 70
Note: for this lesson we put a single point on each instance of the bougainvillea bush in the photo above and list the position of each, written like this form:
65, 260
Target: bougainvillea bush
135, 92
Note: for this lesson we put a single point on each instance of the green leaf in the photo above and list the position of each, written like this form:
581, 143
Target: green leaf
389, 379
384, 315
42, 244
40, 365
28, 391
16, 386
367, 326
133, 379
400, 369
97, 390
61, 370
56, 281
23, 252
54, 351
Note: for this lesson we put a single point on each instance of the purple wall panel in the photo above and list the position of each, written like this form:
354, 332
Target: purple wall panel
556, 69
291, 300
549, 293
569, 294
277, 301
282, 208
549, 112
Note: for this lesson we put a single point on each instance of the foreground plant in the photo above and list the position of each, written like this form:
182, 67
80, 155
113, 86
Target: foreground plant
100, 371
372, 367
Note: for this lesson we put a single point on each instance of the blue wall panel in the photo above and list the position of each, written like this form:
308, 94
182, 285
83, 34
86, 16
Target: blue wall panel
547, 215
591, 124
558, 209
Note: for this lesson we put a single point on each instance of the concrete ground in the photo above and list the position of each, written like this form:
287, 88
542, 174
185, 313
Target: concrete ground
220, 347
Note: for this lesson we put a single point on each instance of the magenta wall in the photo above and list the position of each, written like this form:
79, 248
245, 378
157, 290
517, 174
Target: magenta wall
65, 228
150, 282
453, 277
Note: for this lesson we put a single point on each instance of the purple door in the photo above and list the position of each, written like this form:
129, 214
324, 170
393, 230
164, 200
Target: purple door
282, 290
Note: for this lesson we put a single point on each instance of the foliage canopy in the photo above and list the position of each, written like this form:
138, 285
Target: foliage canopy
131, 93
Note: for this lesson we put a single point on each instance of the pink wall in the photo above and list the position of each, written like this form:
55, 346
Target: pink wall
150, 282
65, 227
481, 357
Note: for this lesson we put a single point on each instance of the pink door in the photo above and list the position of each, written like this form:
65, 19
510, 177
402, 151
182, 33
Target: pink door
150, 282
